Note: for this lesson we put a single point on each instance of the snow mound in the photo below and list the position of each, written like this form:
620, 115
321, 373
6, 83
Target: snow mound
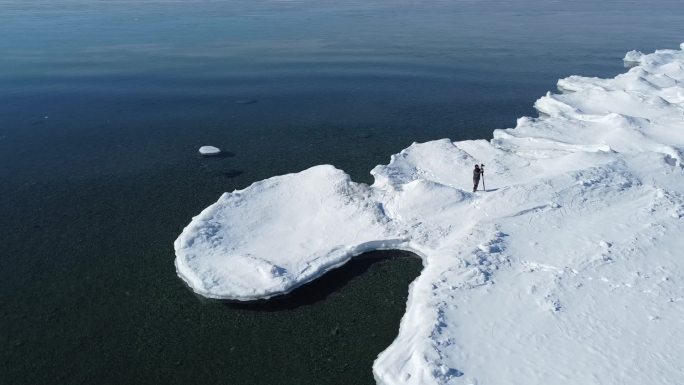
218, 259
568, 270
633, 57
209, 150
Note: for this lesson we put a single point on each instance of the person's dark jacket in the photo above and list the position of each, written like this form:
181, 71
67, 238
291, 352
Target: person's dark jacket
476, 173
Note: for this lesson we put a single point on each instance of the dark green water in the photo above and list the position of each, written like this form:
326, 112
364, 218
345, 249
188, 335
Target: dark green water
103, 106
103, 305
90, 295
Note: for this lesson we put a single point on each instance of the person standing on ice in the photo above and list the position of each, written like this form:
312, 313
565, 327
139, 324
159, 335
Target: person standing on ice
476, 176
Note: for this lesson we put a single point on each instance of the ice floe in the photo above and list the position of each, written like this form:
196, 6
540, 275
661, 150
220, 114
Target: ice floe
209, 150
568, 270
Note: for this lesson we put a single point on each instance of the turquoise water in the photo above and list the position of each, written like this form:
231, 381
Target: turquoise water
104, 104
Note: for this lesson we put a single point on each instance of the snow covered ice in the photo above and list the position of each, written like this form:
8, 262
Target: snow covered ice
569, 270
209, 150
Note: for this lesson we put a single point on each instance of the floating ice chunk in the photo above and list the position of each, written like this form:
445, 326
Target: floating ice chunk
209, 150
280, 233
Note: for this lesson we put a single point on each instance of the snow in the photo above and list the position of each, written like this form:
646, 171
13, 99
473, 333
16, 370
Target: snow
209, 150
568, 270
633, 57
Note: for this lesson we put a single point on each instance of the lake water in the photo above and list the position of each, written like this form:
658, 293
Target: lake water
103, 105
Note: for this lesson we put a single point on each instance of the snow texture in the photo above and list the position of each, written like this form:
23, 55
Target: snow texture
568, 270
209, 150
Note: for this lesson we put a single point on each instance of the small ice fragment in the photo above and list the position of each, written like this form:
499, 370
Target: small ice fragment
209, 150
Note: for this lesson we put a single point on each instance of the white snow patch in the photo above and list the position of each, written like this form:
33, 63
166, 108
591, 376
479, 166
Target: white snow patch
567, 271
209, 150
633, 57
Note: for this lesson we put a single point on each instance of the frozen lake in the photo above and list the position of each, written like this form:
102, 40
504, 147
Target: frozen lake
103, 106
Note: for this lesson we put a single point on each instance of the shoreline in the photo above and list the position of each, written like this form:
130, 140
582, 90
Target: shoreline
413, 202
